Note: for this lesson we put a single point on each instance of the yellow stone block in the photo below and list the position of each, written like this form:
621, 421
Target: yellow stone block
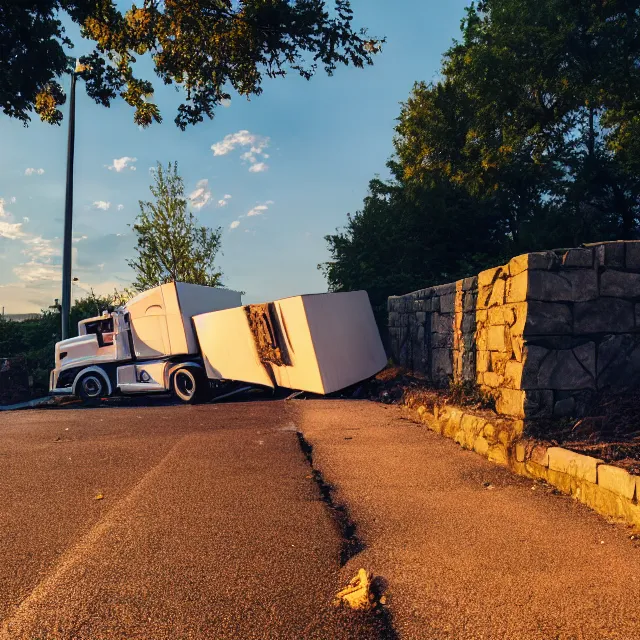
574, 464
481, 446
496, 315
517, 287
521, 452
498, 454
497, 296
617, 480
487, 277
513, 374
482, 361
492, 379
518, 264
497, 338
510, 402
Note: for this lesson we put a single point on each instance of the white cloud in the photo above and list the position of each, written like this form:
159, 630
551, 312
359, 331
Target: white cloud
257, 144
40, 248
259, 210
11, 230
235, 224
31, 171
224, 202
12, 199
121, 164
79, 239
25, 219
201, 195
101, 204
35, 271
120, 207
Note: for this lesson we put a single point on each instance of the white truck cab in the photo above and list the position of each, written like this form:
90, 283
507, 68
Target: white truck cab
148, 345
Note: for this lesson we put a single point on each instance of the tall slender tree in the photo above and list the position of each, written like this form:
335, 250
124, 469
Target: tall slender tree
171, 245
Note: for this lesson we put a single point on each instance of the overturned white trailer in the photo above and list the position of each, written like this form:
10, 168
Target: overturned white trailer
179, 337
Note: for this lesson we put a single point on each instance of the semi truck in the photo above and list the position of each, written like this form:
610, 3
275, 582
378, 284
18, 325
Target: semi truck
189, 339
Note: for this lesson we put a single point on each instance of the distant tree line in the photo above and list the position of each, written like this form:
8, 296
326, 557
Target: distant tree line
530, 141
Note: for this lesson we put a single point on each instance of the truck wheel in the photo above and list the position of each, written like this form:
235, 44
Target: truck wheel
187, 385
91, 388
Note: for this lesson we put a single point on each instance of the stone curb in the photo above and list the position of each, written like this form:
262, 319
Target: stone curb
609, 490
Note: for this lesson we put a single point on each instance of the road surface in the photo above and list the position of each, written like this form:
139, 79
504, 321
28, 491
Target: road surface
206, 522
165, 522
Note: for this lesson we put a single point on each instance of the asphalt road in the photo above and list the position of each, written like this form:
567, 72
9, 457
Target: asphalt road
469, 550
166, 522
206, 522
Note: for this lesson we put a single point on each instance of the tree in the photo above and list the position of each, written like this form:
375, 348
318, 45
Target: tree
528, 142
205, 47
171, 245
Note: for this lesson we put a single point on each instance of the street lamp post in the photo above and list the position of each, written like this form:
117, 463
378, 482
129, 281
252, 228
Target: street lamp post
68, 212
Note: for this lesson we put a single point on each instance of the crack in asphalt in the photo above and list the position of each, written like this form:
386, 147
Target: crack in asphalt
351, 544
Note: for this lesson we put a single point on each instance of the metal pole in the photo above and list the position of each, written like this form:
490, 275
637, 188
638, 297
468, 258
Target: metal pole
68, 215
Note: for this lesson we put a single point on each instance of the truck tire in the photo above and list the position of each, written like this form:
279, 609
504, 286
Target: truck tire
188, 385
91, 387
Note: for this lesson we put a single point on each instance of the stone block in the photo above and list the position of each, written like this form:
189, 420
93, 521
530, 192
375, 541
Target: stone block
496, 315
442, 340
536, 470
574, 464
444, 289
513, 374
605, 315
498, 454
441, 364
469, 301
538, 260
510, 402
517, 287
517, 347
499, 361
578, 285
447, 303
548, 318
565, 369
492, 379
620, 284
578, 258
481, 446
564, 408
497, 297
537, 404
610, 254
482, 361
540, 455
442, 322
617, 480
497, 338
632, 257
489, 276
520, 452
421, 317
619, 361
468, 284
468, 323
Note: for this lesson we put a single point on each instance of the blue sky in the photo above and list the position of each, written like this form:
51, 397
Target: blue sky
325, 139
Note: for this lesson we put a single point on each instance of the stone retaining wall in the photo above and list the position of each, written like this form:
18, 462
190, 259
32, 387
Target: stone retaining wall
541, 333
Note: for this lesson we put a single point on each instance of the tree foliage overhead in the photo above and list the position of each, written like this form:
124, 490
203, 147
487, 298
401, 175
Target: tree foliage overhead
529, 141
171, 245
206, 47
